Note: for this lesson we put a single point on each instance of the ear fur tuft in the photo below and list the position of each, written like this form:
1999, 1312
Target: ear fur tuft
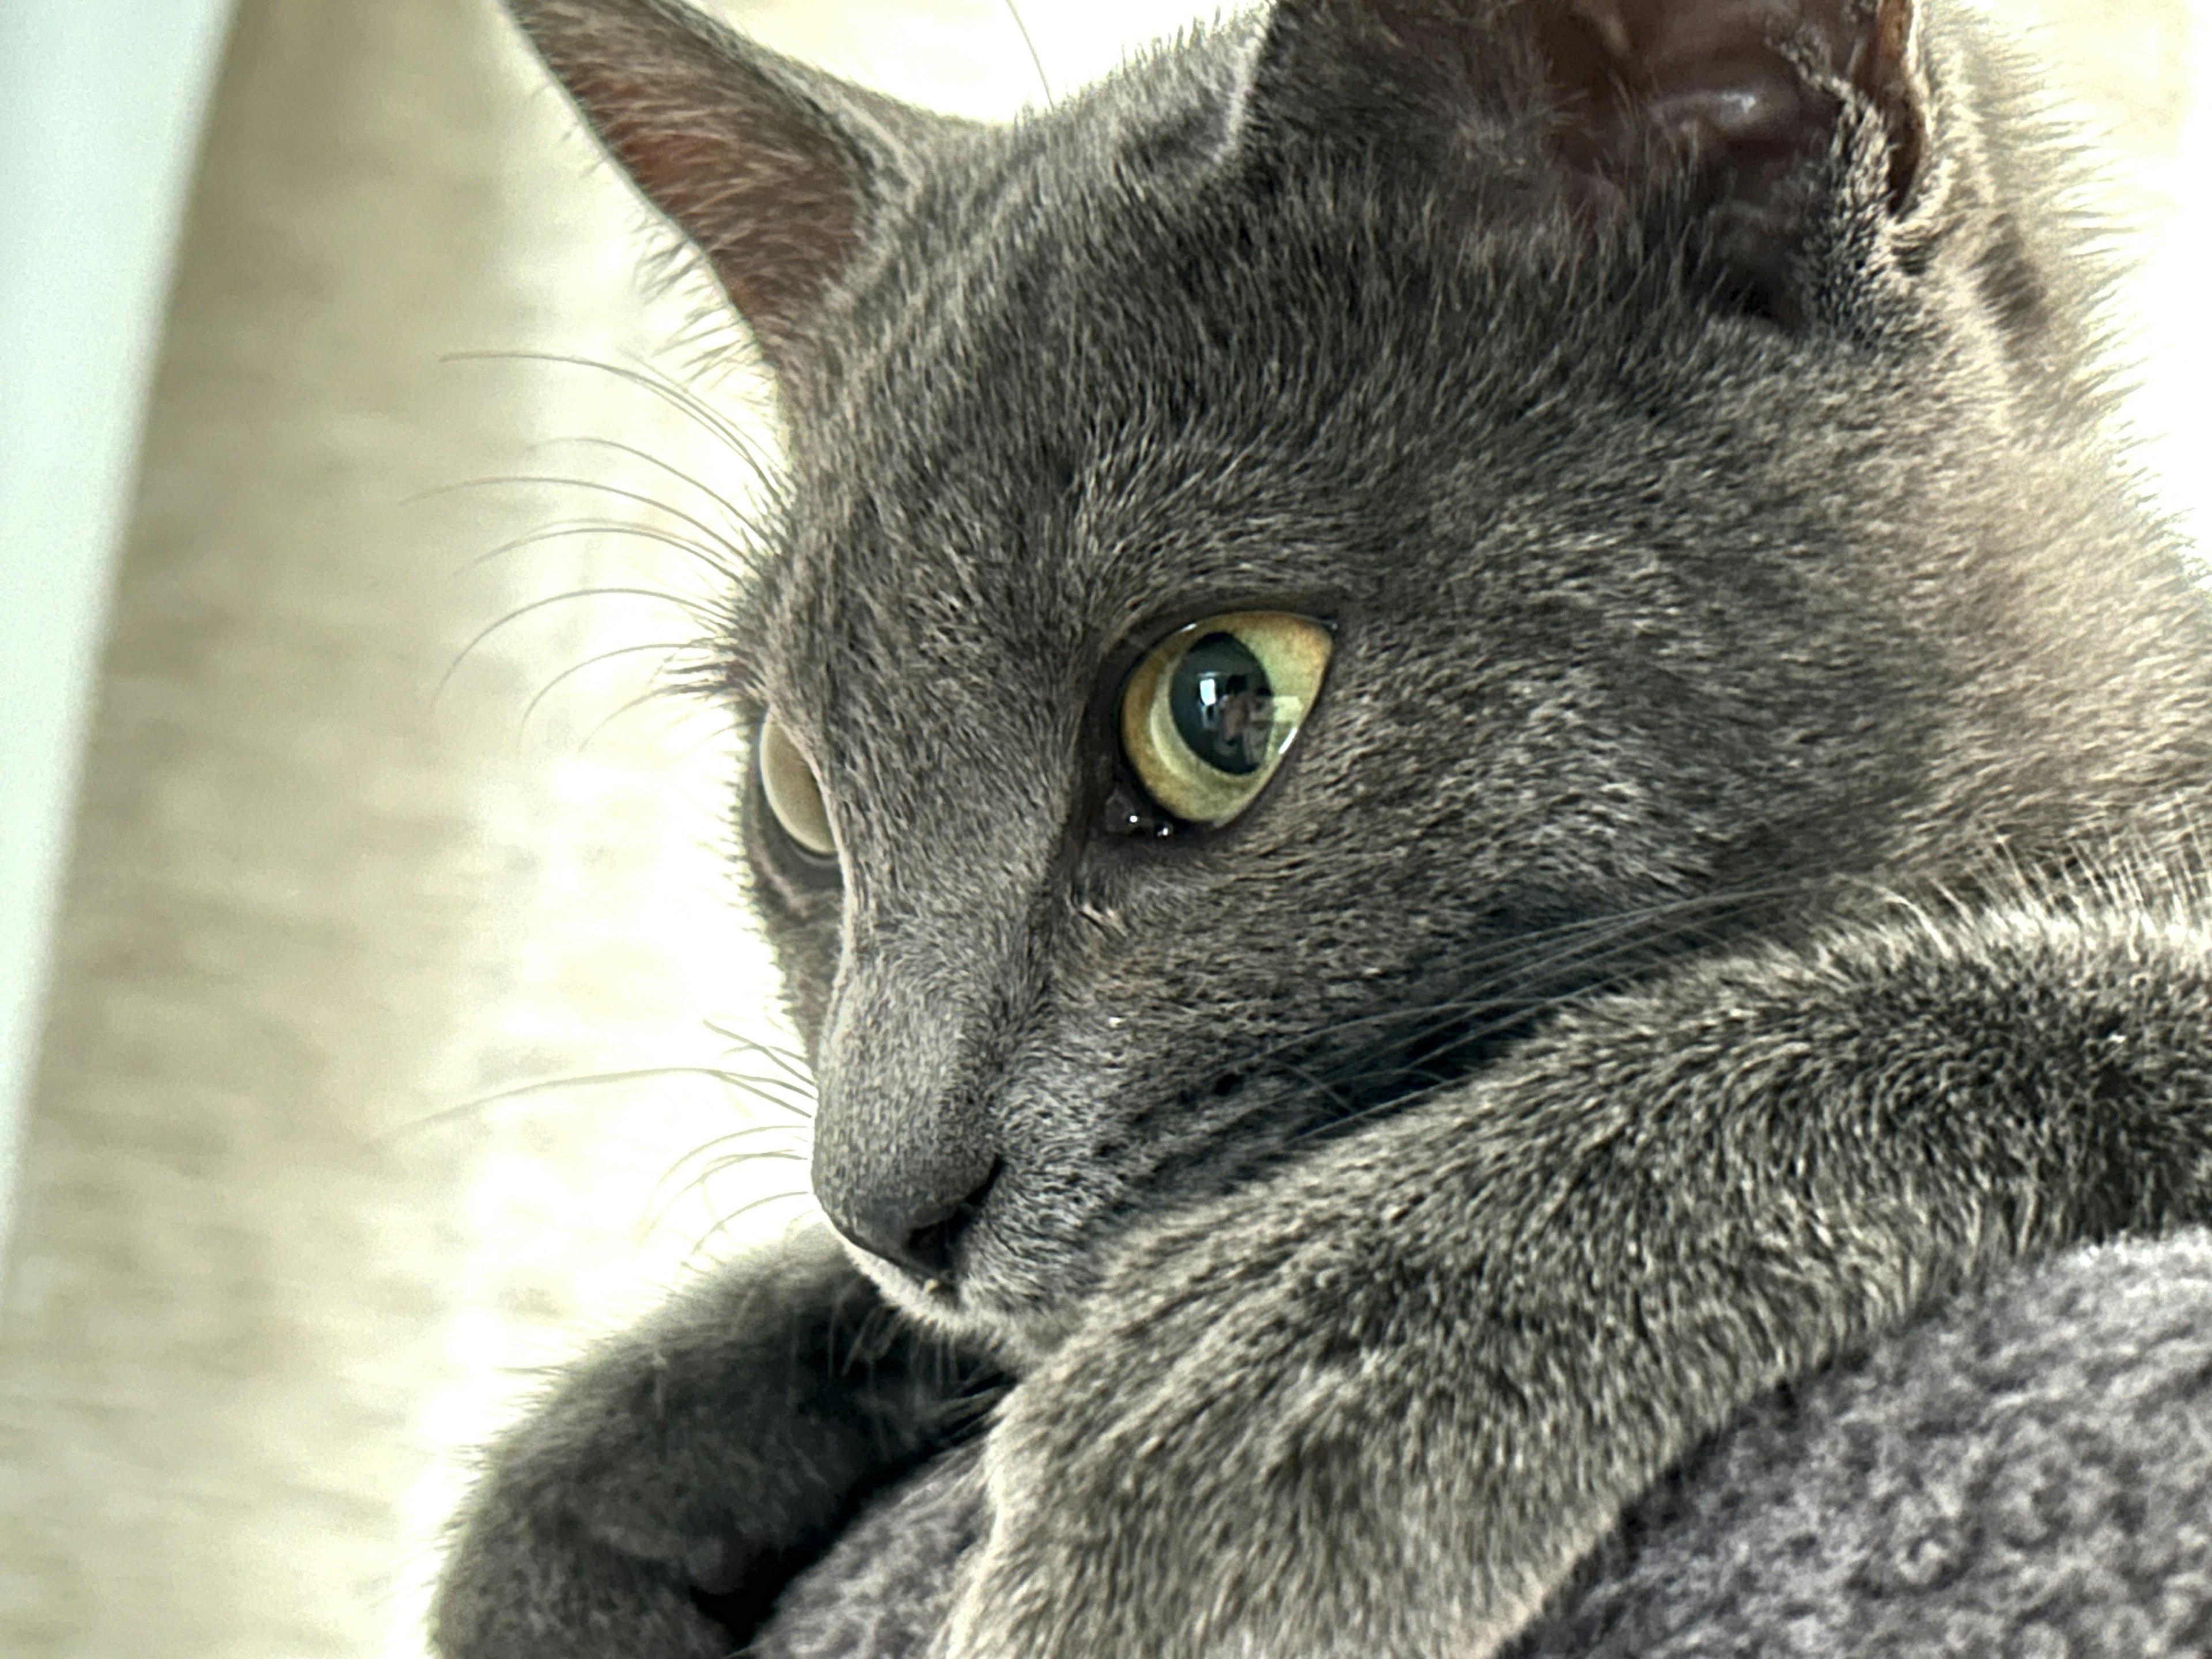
774, 171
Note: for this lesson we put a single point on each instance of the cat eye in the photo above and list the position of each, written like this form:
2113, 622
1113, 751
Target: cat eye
1208, 714
793, 797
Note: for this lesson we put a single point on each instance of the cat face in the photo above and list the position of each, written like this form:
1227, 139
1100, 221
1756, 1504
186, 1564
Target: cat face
1578, 416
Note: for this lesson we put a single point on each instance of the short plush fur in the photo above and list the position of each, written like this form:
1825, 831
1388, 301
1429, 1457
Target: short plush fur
2023, 1474
1737, 888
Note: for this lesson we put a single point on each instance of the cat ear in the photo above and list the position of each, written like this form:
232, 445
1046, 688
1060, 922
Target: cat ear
1752, 104
775, 172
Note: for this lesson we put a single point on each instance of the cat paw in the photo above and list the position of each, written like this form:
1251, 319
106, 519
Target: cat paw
534, 1593
605, 1529
1223, 1460
1173, 1481
659, 1501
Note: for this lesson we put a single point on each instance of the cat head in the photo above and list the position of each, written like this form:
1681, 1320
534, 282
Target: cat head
1370, 521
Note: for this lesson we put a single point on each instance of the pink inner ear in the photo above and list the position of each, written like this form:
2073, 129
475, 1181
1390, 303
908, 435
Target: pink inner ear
768, 200
765, 165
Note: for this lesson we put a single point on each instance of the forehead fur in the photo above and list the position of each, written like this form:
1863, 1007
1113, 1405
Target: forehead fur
1117, 366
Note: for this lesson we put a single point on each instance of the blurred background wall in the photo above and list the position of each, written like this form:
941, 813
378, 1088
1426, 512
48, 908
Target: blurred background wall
100, 108
400, 1011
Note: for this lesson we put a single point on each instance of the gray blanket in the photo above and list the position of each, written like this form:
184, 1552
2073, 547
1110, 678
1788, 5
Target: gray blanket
2026, 1475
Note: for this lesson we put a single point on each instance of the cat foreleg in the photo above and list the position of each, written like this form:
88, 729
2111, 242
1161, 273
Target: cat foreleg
675, 1479
1380, 1403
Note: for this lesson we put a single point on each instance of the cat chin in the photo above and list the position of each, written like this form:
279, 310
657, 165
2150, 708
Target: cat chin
1019, 1330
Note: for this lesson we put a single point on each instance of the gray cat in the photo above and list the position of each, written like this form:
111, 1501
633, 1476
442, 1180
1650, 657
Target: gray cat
1468, 749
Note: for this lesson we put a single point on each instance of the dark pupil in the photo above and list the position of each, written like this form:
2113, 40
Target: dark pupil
1223, 705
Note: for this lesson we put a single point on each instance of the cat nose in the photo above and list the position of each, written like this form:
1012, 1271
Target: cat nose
913, 1224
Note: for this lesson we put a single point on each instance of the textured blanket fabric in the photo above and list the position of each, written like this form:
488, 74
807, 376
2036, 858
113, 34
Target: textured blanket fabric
2026, 1475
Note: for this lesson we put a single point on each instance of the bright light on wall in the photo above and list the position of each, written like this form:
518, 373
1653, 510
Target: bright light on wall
101, 104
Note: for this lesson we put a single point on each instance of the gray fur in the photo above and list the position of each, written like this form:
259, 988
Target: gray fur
885, 1590
1736, 892
2023, 1474
699, 1450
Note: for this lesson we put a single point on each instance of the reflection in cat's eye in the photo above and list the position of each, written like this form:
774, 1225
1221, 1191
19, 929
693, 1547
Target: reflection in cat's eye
1208, 713
788, 784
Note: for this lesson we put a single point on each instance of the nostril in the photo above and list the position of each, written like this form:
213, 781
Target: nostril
910, 1230
928, 1250
930, 1246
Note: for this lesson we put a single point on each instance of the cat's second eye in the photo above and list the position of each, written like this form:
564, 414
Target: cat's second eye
1209, 713
788, 785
